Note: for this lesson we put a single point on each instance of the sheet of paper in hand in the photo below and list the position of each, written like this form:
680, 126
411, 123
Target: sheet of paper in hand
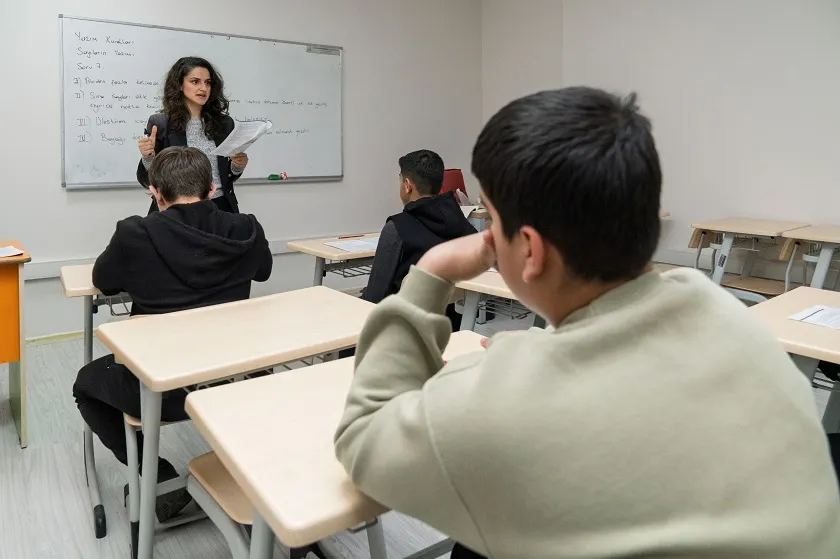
243, 135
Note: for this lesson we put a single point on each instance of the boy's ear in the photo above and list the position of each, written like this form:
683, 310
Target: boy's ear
212, 192
535, 253
156, 194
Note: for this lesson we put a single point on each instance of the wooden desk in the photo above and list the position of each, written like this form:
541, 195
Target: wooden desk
828, 237
259, 333
806, 343
12, 336
295, 482
492, 283
323, 253
731, 227
488, 283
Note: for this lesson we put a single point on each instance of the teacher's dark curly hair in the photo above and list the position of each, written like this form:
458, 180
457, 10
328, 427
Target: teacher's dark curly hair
174, 102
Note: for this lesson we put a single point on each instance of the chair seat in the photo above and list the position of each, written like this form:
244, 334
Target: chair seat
137, 424
761, 286
209, 471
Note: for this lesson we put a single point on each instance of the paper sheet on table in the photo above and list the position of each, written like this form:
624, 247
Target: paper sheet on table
244, 134
462, 198
468, 210
355, 245
819, 315
9, 251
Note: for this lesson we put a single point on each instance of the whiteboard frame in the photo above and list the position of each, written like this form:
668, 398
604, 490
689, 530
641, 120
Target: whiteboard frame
133, 184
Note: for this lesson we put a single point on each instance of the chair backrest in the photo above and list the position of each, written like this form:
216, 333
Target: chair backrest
453, 179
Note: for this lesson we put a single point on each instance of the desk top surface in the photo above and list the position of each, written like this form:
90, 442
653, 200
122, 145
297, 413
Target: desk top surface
799, 338
316, 247
816, 234
749, 226
179, 349
78, 280
275, 436
19, 259
489, 283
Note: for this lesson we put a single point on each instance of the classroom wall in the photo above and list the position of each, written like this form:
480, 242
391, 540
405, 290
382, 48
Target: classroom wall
742, 93
412, 79
521, 50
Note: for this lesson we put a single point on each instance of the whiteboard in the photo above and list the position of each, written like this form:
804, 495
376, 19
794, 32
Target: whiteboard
112, 77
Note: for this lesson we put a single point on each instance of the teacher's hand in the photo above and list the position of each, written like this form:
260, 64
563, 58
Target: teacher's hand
147, 144
240, 160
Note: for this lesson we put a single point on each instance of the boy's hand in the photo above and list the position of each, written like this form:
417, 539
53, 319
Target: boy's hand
460, 259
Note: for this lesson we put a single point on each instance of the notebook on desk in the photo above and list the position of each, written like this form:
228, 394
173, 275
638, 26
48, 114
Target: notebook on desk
9, 251
355, 245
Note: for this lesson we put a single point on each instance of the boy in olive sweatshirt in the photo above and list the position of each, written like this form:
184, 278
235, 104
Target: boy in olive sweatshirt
654, 417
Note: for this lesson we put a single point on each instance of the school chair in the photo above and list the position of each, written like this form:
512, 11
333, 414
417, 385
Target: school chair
453, 179
218, 494
744, 286
132, 497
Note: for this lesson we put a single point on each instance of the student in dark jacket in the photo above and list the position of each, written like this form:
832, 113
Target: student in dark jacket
188, 255
428, 219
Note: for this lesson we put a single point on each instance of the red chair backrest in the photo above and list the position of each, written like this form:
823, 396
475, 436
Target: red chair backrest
453, 179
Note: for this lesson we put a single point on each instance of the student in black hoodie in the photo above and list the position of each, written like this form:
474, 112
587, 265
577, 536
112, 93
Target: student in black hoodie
428, 219
190, 254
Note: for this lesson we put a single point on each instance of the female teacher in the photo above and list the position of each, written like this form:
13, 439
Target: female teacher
195, 114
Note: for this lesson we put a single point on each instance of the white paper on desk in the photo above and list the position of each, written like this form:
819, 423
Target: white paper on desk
468, 210
244, 134
9, 251
355, 245
819, 315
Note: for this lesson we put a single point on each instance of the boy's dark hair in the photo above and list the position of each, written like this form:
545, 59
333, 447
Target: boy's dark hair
180, 171
425, 169
580, 166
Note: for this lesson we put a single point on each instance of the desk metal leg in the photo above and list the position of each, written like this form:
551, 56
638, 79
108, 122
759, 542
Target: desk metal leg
262, 539
807, 365
376, 540
320, 268
720, 265
88, 329
150, 403
17, 396
470, 310
99, 522
826, 252
749, 262
831, 416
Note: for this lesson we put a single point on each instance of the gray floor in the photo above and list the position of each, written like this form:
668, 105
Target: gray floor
44, 511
